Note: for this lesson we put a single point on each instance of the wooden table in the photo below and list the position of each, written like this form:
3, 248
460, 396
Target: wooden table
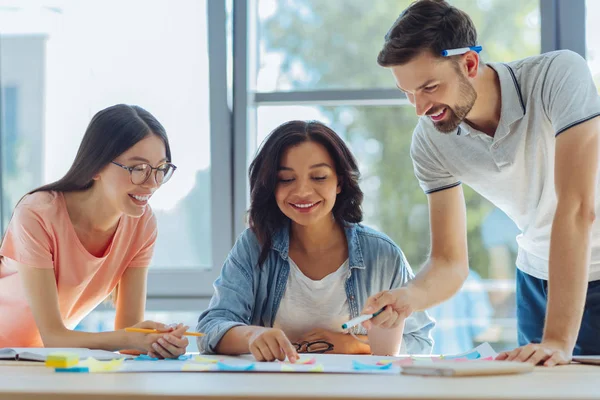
36, 382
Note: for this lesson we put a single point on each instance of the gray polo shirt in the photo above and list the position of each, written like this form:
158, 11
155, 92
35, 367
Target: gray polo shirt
542, 96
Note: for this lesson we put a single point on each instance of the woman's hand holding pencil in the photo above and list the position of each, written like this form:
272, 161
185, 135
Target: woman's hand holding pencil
159, 340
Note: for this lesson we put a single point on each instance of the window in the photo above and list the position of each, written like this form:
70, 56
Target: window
220, 75
317, 61
61, 63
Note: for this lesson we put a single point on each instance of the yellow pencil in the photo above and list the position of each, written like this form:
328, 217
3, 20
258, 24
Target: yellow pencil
141, 330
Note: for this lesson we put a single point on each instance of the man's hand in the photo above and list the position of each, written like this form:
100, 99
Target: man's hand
398, 304
547, 353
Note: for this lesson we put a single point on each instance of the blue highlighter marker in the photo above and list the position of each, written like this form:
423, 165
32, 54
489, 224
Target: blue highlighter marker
462, 50
360, 319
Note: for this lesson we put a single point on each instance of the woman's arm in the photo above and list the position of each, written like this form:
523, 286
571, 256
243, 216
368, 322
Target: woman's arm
131, 304
131, 297
42, 297
232, 303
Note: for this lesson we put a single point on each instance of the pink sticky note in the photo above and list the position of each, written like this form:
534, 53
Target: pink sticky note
404, 361
302, 361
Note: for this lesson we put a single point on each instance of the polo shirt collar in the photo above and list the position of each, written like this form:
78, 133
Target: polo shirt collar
513, 105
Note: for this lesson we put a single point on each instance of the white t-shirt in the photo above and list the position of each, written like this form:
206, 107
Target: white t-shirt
542, 97
307, 304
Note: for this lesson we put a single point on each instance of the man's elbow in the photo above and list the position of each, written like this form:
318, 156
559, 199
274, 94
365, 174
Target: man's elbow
457, 268
580, 212
463, 271
586, 214
460, 269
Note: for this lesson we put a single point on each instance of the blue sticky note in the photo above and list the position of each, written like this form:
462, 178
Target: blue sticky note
229, 367
145, 357
72, 369
474, 355
369, 367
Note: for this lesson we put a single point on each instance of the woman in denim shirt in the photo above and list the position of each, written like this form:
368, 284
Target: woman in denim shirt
305, 265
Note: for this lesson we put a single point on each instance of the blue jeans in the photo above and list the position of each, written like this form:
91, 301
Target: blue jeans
532, 296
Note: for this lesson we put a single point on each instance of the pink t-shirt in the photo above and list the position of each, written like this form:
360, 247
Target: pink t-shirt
41, 235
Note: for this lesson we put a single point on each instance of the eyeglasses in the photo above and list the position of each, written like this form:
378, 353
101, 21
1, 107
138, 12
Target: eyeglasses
140, 173
318, 346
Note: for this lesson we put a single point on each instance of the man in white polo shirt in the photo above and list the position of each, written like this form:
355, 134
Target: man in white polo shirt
525, 135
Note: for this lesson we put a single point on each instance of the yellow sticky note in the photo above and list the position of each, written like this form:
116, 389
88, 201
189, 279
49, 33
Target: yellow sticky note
317, 368
196, 367
205, 360
102, 366
287, 368
62, 360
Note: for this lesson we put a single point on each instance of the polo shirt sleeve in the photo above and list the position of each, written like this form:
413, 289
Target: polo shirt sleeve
430, 172
569, 94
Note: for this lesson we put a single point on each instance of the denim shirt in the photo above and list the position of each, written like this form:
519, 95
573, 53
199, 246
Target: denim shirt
248, 294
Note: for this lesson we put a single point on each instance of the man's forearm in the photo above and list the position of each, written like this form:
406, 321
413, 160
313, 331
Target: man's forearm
568, 276
437, 281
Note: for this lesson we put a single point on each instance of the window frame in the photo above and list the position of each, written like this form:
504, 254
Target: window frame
233, 105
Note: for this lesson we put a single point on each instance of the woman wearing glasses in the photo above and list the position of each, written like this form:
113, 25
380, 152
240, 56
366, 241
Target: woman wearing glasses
72, 243
305, 266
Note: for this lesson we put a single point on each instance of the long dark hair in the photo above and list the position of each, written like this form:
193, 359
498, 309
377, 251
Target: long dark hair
265, 217
111, 132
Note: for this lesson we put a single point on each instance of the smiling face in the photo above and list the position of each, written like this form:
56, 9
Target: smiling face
307, 184
438, 88
115, 182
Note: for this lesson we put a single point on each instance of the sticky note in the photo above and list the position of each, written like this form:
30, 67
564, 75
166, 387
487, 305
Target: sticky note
205, 360
357, 365
287, 368
102, 366
72, 369
399, 362
301, 361
423, 360
317, 368
233, 367
62, 360
197, 367
145, 357
474, 355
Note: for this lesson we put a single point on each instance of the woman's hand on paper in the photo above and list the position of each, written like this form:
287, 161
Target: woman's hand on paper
270, 344
397, 304
170, 344
547, 353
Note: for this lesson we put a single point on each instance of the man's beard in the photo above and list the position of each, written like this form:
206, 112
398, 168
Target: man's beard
454, 116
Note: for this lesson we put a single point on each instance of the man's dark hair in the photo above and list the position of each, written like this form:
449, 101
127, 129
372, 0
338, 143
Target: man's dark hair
426, 25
